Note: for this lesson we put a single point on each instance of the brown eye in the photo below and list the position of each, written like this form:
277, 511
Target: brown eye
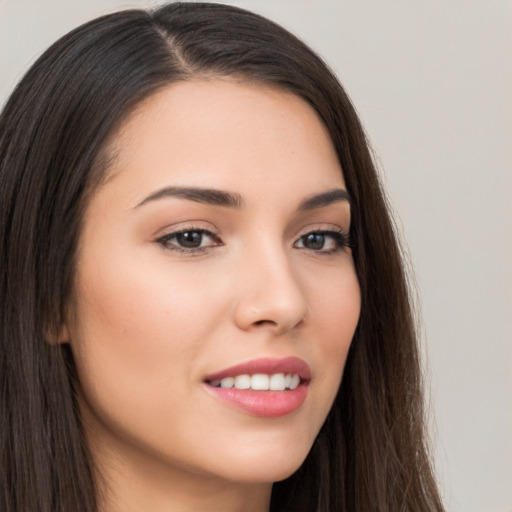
189, 241
323, 242
315, 241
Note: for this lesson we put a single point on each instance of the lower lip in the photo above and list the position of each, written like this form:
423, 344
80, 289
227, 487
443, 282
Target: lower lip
265, 404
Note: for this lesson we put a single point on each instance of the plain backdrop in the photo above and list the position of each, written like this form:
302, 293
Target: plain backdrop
431, 81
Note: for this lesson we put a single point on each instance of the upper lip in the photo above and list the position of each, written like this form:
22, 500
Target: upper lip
265, 365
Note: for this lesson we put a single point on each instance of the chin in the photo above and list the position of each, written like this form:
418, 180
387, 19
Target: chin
265, 466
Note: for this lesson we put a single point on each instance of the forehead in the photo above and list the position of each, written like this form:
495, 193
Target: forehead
209, 132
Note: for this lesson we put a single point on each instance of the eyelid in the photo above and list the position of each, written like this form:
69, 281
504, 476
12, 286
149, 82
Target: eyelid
189, 225
322, 227
340, 235
164, 238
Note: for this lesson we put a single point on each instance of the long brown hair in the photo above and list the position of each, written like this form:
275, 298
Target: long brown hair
371, 453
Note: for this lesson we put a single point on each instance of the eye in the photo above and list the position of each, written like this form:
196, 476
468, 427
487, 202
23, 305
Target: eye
323, 241
189, 240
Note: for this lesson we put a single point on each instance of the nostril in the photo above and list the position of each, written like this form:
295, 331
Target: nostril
263, 322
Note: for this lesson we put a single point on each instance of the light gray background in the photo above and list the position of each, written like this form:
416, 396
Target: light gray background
431, 81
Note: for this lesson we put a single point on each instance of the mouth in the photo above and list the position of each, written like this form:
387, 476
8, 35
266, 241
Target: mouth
259, 382
267, 388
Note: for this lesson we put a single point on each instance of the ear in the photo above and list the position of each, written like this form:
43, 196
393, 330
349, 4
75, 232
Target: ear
63, 335
57, 336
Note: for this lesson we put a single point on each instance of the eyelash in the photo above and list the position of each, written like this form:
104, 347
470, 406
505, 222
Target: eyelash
340, 238
166, 240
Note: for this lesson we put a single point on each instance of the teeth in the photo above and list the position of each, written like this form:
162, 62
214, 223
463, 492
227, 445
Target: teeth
277, 382
242, 382
259, 382
227, 382
295, 381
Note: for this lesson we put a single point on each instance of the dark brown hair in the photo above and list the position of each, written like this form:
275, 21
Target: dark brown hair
371, 453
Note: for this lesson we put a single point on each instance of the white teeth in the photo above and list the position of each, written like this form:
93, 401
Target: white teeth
295, 381
277, 382
242, 382
259, 382
227, 382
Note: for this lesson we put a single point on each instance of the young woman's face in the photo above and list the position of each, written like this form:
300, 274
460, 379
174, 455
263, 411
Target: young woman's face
215, 254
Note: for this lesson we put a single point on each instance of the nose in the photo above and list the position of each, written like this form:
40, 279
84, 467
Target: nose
270, 295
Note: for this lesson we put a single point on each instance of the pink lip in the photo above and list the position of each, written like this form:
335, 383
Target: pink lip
265, 404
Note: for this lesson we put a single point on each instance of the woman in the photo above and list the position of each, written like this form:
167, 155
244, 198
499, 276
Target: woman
204, 305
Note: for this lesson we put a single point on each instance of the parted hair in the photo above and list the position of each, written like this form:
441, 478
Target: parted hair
371, 454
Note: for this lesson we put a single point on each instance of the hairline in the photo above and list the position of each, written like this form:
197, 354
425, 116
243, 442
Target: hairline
102, 170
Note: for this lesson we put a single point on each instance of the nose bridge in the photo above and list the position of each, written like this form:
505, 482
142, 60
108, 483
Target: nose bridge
269, 289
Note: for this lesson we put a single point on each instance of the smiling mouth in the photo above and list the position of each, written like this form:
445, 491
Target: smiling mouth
259, 382
265, 387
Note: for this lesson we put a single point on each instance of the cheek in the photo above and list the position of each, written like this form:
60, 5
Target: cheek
138, 335
141, 306
337, 306
339, 309
336, 312
137, 329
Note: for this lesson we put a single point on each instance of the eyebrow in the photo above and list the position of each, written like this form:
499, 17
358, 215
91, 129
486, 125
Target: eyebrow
323, 199
217, 197
199, 195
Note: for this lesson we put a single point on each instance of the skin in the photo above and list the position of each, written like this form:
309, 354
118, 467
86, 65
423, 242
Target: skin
149, 322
